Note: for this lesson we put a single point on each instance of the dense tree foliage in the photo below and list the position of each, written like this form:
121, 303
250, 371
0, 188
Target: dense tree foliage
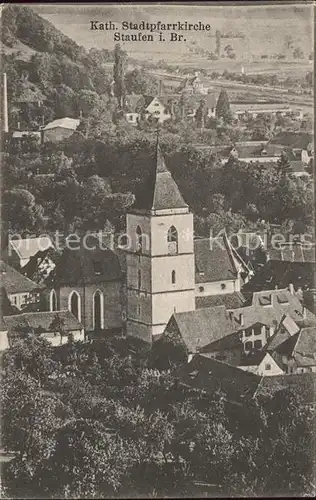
92, 421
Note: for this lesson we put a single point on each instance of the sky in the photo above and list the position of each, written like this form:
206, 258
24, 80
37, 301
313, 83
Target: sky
265, 26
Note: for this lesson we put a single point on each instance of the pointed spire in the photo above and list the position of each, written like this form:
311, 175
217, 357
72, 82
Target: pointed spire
160, 192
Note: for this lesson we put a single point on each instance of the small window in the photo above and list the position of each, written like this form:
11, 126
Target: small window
15, 300
223, 286
172, 239
138, 309
173, 277
97, 268
257, 344
248, 333
248, 346
268, 367
201, 288
257, 330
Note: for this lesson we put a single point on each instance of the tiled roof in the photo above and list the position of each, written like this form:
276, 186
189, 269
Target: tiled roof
71, 123
27, 247
41, 265
304, 384
133, 100
286, 329
295, 140
213, 376
14, 282
306, 342
213, 260
198, 328
229, 300
87, 266
252, 359
230, 341
158, 191
282, 274
41, 321
292, 306
255, 314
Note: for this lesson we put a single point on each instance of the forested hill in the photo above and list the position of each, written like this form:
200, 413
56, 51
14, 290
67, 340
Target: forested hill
43, 65
22, 24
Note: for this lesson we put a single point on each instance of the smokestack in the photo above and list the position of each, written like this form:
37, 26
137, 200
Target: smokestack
5, 104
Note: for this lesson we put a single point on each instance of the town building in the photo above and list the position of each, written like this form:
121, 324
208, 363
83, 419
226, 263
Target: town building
21, 250
60, 129
87, 280
21, 291
219, 270
255, 109
196, 84
57, 327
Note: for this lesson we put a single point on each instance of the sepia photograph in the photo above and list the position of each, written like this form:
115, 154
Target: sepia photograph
158, 268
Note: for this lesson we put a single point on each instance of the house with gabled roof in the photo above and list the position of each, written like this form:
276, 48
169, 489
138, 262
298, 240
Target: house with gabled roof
216, 377
21, 250
196, 84
58, 327
21, 291
60, 129
196, 329
297, 354
219, 269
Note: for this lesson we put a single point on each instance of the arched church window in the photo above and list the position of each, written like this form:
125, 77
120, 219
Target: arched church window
74, 304
172, 239
98, 310
53, 301
139, 279
139, 239
173, 277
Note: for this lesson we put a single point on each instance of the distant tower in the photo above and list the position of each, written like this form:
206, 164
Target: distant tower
160, 260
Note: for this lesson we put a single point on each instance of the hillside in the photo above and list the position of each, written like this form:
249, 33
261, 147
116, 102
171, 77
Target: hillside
21, 25
37, 56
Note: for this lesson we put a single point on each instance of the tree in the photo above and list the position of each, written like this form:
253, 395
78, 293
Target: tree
21, 210
58, 326
284, 165
201, 114
139, 81
298, 53
119, 75
223, 107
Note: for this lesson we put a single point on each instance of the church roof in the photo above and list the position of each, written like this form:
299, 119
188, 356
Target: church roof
158, 191
87, 264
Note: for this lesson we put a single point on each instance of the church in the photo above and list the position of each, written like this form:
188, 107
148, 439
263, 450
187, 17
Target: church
162, 270
167, 270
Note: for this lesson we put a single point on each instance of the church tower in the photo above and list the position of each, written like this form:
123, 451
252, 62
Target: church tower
160, 258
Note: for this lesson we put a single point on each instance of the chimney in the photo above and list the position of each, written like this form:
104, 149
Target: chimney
5, 104
291, 288
19, 125
43, 121
241, 319
304, 312
80, 114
